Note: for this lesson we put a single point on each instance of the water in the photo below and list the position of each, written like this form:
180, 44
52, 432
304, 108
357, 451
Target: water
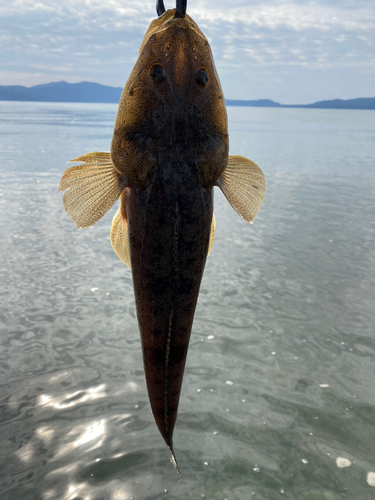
279, 381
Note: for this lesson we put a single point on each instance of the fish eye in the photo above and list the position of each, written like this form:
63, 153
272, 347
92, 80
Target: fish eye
157, 73
201, 78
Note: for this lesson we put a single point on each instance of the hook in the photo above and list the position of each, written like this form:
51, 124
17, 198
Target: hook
180, 8
160, 9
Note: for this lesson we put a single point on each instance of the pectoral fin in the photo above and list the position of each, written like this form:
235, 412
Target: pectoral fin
92, 188
119, 235
243, 185
212, 234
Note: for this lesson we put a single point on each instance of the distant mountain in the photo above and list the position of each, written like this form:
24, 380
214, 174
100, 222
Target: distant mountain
94, 92
61, 92
260, 103
360, 103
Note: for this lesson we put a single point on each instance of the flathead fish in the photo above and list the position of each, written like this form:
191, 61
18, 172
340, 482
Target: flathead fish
169, 149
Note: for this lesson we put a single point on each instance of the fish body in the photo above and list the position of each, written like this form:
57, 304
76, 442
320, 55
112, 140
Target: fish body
177, 129
169, 149
167, 265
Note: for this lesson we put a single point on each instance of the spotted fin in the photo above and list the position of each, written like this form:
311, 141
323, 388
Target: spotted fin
212, 234
119, 236
244, 186
92, 188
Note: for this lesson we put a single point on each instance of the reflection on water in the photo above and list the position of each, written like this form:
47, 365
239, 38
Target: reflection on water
94, 433
69, 400
278, 398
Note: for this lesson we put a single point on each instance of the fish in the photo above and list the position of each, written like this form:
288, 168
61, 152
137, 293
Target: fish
170, 148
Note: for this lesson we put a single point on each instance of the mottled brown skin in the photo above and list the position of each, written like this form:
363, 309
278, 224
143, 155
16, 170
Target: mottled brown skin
171, 143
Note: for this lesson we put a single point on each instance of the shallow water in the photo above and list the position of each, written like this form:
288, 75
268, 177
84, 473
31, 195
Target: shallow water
280, 374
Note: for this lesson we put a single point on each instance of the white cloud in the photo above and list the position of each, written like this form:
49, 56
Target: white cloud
79, 9
271, 14
290, 15
98, 41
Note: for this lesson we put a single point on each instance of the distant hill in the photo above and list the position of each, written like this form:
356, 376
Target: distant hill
260, 103
359, 103
61, 92
94, 92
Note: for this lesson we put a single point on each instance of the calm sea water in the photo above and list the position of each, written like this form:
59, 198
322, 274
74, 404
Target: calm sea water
280, 378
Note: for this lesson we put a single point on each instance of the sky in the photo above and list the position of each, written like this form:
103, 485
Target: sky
294, 52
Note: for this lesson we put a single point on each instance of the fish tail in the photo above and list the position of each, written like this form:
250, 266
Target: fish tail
174, 461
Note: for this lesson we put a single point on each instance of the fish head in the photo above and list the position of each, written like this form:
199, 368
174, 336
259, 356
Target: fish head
172, 101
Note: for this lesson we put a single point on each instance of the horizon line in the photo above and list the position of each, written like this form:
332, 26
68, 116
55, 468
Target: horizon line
96, 98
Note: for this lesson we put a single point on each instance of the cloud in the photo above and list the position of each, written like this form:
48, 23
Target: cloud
271, 14
78, 9
99, 41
